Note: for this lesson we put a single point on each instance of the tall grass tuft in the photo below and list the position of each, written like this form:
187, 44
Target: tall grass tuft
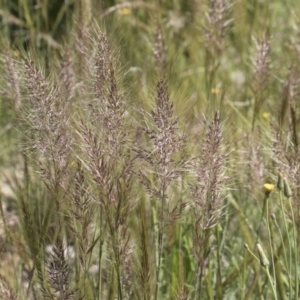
5, 290
208, 194
261, 74
166, 165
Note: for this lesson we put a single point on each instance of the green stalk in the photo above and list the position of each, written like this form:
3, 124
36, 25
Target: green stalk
295, 248
270, 243
289, 244
219, 274
282, 241
206, 252
160, 237
272, 285
265, 264
99, 280
262, 216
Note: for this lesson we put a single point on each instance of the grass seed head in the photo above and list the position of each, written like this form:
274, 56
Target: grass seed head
262, 256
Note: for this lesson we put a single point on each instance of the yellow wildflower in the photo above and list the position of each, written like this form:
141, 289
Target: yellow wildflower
215, 91
269, 187
266, 115
125, 11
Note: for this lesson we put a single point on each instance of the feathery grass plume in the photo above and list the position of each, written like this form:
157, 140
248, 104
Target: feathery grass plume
67, 74
286, 134
83, 48
34, 231
218, 20
218, 17
81, 219
59, 274
255, 161
103, 60
49, 145
286, 93
209, 169
288, 161
6, 293
107, 156
47, 121
108, 107
13, 90
290, 93
261, 65
164, 163
208, 195
287, 157
159, 50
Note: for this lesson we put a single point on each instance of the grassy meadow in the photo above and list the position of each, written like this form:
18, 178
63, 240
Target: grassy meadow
149, 149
